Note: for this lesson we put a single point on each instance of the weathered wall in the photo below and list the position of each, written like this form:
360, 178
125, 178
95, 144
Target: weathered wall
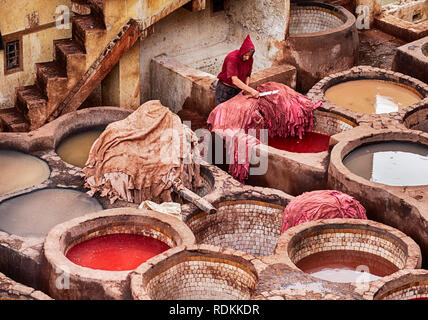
265, 20
202, 39
173, 83
16, 21
181, 33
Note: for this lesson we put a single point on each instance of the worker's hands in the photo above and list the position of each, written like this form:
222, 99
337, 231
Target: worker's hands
254, 93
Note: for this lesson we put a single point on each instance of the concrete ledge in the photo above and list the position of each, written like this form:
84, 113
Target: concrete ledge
178, 85
411, 59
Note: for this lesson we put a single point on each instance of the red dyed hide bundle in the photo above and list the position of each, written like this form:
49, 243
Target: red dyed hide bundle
321, 204
287, 113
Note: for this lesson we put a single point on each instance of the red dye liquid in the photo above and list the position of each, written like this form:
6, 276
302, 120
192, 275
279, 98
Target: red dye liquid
115, 252
346, 266
419, 299
312, 142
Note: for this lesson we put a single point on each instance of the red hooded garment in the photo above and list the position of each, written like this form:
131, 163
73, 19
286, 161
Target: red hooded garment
233, 64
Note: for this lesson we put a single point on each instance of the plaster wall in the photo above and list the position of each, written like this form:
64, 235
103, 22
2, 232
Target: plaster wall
203, 39
23, 18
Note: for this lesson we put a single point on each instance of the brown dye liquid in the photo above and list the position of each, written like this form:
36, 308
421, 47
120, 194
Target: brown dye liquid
19, 171
35, 213
75, 149
346, 266
372, 96
392, 163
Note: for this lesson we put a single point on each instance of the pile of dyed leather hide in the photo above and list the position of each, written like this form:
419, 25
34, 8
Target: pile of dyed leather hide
285, 114
321, 204
138, 158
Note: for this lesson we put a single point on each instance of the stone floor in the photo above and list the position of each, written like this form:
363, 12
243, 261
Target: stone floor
377, 49
279, 277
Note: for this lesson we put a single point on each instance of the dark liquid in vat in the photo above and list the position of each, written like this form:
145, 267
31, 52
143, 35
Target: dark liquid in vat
116, 252
391, 163
19, 171
35, 213
346, 266
75, 149
311, 142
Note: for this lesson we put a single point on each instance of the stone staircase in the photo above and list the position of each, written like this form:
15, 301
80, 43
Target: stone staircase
35, 103
82, 62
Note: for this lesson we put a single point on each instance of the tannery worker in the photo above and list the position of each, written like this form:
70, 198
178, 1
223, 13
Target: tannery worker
235, 73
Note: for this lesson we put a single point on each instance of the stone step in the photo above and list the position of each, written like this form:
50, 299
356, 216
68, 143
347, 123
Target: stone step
67, 49
71, 55
32, 104
82, 25
51, 78
13, 121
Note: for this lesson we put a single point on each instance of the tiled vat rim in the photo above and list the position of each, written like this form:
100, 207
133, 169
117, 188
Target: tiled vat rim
244, 204
331, 123
404, 284
416, 117
229, 227
128, 220
361, 235
128, 227
313, 19
326, 11
317, 92
298, 294
343, 148
194, 259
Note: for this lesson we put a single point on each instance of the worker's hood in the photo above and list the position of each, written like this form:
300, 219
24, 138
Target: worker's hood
246, 46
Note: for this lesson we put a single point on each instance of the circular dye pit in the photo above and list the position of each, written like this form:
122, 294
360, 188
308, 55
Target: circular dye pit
246, 225
115, 252
35, 213
417, 119
405, 285
198, 273
317, 32
392, 163
19, 171
322, 18
100, 250
348, 250
371, 96
312, 142
75, 149
346, 266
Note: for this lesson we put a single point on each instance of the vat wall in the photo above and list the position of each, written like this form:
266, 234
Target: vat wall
410, 59
316, 55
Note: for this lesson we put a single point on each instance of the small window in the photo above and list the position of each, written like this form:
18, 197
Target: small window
12, 55
218, 5
1, 43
